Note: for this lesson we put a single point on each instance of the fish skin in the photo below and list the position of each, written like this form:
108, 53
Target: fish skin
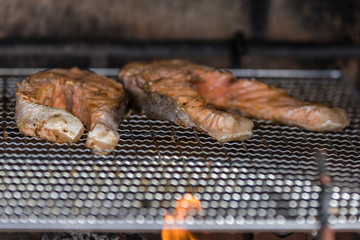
103, 134
167, 94
52, 124
97, 101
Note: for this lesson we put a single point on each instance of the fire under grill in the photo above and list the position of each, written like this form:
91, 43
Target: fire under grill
269, 182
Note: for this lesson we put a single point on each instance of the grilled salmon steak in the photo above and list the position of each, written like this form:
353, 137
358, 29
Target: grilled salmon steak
164, 90
54, 104
221, 89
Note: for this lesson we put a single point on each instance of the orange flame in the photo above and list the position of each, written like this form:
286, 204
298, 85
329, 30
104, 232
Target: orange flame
187, 205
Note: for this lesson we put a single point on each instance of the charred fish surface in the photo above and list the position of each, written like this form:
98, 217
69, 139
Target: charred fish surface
161, 91
54, 105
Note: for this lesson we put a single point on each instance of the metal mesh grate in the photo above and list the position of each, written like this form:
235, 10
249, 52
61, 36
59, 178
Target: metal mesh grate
266, 183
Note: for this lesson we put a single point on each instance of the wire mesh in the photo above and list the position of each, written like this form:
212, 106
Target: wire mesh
269, 182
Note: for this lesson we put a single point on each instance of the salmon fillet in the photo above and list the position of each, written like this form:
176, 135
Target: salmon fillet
163, 90
223, 90
54, 105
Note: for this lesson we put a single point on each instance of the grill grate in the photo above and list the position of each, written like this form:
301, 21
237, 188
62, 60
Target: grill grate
269, 182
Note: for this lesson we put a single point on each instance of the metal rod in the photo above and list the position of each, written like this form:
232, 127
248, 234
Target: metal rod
325, 182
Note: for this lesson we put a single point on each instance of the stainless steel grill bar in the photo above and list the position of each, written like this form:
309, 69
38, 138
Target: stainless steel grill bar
270, 182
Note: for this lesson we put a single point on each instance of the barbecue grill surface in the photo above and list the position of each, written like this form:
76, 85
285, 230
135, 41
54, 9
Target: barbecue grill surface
269, 182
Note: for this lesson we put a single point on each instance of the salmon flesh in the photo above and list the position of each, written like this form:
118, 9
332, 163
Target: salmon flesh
259, 100
54, 105
163, 90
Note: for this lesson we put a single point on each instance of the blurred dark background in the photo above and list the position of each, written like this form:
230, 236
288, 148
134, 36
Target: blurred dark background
276, 34
298, 34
